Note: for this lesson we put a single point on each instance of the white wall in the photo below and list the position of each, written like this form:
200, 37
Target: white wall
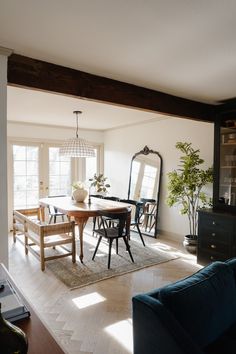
43, 132
121, 144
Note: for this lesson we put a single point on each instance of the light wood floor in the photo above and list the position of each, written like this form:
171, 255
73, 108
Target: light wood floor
95, 319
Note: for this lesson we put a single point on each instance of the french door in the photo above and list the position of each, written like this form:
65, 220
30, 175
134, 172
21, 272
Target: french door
37, 171
26, 175
59, 173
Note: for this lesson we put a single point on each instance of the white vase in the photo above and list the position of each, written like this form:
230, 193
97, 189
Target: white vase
80, 195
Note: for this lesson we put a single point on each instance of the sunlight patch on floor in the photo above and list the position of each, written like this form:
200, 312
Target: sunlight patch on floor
88, 300
122, 331
186, 257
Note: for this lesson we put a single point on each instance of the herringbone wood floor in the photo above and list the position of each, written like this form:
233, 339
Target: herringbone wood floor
95, 319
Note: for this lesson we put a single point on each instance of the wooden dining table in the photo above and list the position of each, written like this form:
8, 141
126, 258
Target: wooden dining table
81, 212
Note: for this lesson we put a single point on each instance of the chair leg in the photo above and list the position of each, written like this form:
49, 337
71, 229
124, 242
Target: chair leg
152, 226
140, 234
99, 240
128, 249
94, 224
14, 230
55, 219
62, 218
109, 254
147, 221
26, 244
73, 249
116, 245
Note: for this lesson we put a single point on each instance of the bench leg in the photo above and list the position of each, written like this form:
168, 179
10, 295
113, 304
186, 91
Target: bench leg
73, 248
42, 260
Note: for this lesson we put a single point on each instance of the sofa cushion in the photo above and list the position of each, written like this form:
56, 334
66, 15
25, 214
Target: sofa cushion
232, 263
225, 344
204, 303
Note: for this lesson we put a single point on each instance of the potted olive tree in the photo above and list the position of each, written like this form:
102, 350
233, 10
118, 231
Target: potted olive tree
185, 189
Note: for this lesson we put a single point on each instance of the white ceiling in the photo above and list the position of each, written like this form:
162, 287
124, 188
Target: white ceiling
184, 48
51, 109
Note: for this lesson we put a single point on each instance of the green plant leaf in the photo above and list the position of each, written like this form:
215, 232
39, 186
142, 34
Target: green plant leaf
98, 181
185, 184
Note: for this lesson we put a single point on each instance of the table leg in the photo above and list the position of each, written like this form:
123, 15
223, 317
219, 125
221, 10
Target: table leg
128, 222
81, 225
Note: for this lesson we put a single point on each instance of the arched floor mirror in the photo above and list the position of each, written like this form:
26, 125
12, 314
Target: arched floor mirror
144, 186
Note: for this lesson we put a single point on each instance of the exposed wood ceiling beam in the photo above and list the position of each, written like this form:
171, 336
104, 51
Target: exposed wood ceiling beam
37, 74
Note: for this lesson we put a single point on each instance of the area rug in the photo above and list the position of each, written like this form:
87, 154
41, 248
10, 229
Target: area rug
79, 275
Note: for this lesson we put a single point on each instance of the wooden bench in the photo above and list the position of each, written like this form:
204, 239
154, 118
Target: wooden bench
18, 226
37, 233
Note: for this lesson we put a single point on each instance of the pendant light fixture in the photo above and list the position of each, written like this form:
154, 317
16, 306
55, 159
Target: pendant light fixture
77, 147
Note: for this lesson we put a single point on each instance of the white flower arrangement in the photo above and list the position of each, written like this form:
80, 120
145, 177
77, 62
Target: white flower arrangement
78, 185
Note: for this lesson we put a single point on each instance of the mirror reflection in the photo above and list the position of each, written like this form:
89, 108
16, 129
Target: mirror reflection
144, 186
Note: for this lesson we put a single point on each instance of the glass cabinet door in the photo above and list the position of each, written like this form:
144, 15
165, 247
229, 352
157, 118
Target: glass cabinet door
227, 163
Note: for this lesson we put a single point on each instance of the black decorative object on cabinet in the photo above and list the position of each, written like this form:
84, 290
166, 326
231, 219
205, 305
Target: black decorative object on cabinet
217, 227
12, 338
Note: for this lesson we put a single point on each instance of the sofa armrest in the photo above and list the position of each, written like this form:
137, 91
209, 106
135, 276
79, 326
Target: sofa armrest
155, 330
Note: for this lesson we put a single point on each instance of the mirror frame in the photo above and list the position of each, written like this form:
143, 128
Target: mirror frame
147, 151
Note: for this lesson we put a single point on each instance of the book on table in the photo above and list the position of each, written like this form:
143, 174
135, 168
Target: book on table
12, 307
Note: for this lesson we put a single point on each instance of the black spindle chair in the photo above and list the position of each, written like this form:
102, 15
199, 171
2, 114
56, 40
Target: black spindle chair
135, 220
118, 230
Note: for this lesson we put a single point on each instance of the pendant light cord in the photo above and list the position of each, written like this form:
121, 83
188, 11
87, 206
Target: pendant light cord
77, 122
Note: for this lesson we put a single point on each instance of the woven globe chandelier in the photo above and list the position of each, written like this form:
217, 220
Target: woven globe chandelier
77, 147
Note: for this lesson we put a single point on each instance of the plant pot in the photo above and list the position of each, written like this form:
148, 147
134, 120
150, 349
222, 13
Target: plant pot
190, 243
80, 195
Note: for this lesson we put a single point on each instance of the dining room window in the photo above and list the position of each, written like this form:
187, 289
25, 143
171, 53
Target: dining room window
37, 170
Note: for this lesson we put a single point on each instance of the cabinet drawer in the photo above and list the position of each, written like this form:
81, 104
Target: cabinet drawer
216, 223
215, 247
215, 234
205, 257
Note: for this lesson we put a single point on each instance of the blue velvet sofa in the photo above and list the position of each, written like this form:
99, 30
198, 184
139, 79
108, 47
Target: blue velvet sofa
195, 315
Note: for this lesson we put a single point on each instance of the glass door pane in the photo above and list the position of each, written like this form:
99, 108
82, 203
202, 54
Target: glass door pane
25, 176
59, 173
227, 181
91, 166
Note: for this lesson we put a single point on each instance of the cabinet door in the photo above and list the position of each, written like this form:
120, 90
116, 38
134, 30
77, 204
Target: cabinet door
225, 165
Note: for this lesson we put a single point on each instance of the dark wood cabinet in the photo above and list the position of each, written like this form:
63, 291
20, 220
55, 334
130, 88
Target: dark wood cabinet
224, 188
217, 227
216, 236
